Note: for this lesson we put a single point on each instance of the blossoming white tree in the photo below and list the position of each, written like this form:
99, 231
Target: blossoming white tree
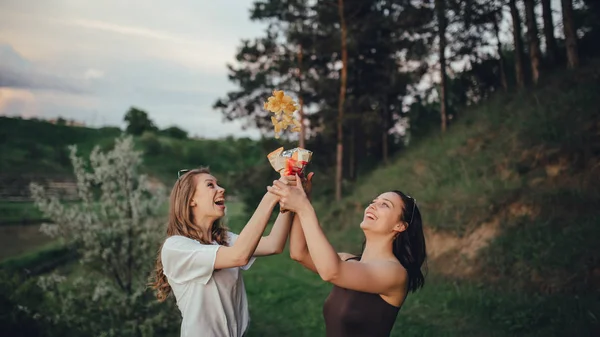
115, 228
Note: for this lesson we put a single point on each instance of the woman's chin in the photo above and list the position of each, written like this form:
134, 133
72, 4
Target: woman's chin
220, 210
364, 224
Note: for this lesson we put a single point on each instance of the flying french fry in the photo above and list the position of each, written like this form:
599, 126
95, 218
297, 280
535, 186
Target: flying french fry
283, 107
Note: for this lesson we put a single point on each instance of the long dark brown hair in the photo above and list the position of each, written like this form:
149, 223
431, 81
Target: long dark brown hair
409, 245
181, 222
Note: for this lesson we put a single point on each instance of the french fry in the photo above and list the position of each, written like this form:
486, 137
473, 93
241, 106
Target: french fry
283, 107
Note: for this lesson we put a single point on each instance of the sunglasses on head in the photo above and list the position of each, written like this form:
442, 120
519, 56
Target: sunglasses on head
182, 172
412, 213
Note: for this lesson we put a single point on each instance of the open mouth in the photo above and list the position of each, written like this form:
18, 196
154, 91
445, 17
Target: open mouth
220, 202
370, 215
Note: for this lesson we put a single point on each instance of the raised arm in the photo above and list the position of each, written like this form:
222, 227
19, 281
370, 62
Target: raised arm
275, 241
380, 277
242, 250
298, 248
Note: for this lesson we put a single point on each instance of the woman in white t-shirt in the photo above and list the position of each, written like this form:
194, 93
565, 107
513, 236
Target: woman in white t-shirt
201, 261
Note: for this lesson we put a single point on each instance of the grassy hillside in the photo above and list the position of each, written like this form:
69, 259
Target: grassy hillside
32, 146
509, 197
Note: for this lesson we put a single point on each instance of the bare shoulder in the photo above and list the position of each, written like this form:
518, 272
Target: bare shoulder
346, 256
392, 269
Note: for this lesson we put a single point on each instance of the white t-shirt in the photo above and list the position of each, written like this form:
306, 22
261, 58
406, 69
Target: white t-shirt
212, 303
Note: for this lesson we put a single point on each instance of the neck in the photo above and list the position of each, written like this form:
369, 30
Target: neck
203, 227
378, 247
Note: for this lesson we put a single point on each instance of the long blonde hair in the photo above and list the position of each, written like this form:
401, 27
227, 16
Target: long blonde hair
181, 220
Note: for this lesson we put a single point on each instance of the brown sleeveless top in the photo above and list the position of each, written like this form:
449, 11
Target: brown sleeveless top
350, 313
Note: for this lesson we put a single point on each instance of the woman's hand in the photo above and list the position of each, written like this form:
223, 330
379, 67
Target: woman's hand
307, 183
292, 197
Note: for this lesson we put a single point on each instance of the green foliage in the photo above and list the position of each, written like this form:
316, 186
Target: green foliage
21, 140
151, 143
21, 302
115, 231
40, 260
300, 53
19, 213
138, 122
486, 160
174, 132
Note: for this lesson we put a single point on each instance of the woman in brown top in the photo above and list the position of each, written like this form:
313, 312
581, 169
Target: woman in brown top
368, 289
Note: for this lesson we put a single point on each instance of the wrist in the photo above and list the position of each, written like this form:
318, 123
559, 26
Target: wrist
305, 208
271, 198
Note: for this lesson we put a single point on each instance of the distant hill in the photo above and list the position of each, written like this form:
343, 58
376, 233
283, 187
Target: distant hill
30, 146
35, 149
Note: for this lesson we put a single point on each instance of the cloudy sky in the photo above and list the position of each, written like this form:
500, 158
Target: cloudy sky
92, 60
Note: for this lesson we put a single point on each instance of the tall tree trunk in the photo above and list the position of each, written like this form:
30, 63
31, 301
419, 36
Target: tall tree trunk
570, 34
384, 140
385, 127
352, 152
441, 16
503, 79
302, 137
551, 48
516, 20
535, 54
342, 99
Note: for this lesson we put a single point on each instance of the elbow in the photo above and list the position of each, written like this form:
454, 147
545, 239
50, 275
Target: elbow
278, 250
328, 276
241, 261
330, 273
297, 256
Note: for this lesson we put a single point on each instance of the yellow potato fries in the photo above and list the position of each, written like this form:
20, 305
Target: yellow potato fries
283, 107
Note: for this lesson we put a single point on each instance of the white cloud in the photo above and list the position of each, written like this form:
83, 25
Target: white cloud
125, 30
166, 58
92, 74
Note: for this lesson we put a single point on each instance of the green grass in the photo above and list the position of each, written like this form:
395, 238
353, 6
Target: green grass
558, 249
287, 300
19, 213
20, 239
38, 260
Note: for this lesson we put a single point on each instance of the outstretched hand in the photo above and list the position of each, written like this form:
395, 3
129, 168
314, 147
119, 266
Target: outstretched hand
293, 197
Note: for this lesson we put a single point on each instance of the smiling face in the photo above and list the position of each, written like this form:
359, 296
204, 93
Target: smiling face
208, 200
384, 215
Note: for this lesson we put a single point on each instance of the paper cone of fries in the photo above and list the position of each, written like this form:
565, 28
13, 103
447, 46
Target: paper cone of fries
290, 162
